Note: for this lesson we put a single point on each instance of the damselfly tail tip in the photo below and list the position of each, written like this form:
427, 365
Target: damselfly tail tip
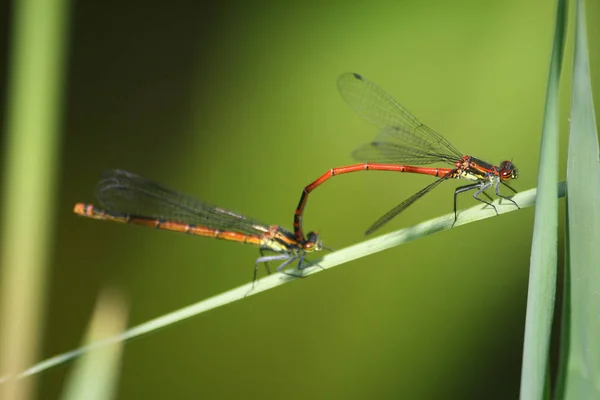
80, 209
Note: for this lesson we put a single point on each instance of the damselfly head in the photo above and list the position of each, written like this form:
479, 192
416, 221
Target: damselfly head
508, 170
312, 242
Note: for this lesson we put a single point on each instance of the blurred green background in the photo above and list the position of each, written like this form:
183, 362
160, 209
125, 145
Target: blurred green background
236, 103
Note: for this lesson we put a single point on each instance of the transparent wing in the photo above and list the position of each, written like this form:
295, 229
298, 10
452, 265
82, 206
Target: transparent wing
125, 193
403, 139
403, 206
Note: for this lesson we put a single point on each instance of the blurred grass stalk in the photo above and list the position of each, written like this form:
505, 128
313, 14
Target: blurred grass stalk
96, 374
579, 371
543, 266
36, 72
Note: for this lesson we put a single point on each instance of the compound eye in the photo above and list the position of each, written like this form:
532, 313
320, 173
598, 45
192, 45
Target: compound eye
507, 170
312, 242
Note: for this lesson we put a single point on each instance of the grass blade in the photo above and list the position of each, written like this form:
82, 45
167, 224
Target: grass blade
579, 373
363, 249
542, 272
32, 144
95, 375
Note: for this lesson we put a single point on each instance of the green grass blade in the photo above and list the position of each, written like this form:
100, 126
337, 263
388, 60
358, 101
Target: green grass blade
31, 149
579, 373
363, 249
542, 273
96, 374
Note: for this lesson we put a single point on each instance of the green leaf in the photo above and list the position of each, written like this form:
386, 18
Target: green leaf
543, 268
579, 373
31, 150
95, 375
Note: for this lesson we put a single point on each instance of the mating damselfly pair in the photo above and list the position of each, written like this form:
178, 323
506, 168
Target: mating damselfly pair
403, 144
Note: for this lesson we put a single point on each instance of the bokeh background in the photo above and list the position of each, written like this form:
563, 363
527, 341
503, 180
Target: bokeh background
236, 103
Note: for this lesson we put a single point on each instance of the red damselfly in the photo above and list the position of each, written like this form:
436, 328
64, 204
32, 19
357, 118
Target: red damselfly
404, 140
130, 199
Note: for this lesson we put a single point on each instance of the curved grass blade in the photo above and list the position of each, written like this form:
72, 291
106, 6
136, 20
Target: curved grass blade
363, 249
